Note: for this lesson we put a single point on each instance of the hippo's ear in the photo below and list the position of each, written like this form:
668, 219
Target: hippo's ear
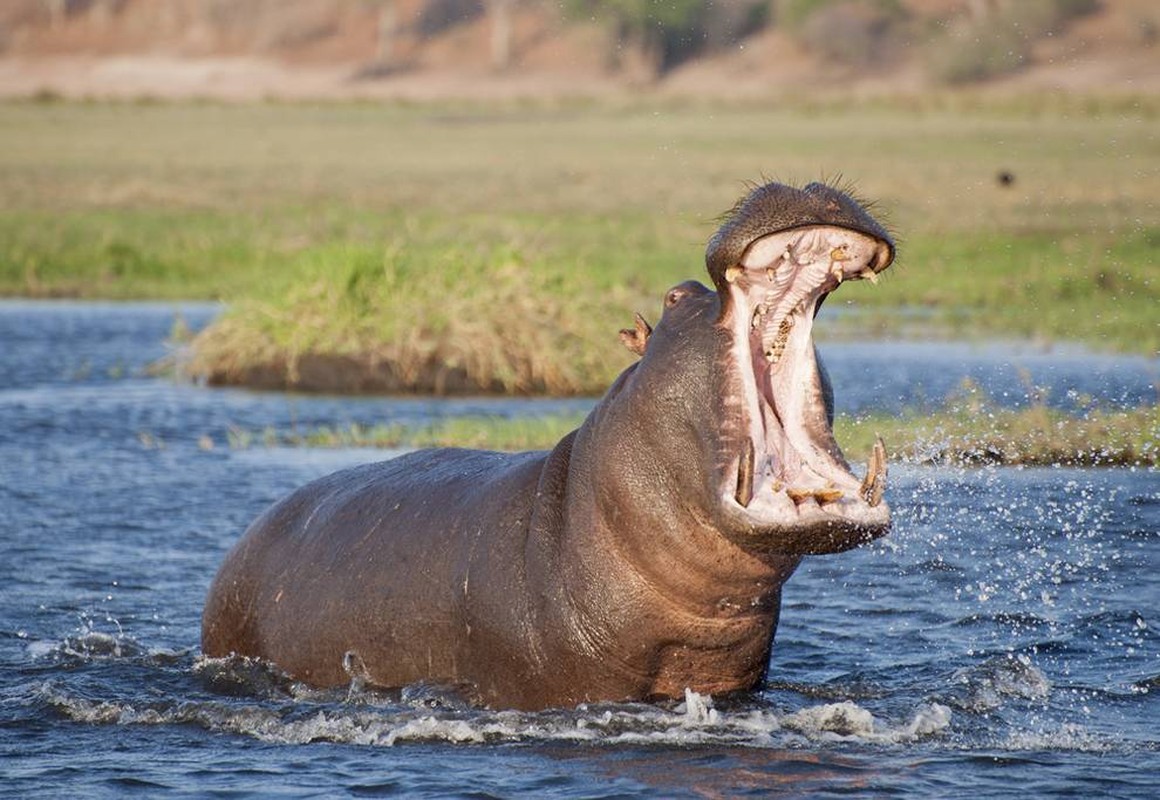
636, 339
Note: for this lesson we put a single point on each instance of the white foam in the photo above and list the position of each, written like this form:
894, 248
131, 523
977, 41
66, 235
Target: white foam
844, 719
849, 721
693, 722
42, 649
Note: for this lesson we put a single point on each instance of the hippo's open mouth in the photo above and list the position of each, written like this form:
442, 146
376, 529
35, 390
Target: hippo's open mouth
792, 482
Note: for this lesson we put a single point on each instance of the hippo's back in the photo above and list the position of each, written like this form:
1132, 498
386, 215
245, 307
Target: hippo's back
366, 560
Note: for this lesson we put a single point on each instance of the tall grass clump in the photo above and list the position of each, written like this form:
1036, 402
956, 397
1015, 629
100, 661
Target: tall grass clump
444, 317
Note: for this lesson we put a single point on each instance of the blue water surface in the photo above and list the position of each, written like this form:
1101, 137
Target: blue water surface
1002, 640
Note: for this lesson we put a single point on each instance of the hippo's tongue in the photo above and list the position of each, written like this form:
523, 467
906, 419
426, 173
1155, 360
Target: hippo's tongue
790, 464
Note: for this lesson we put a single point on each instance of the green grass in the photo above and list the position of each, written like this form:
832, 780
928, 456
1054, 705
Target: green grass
1036, 436
503, 247
487, 433
974, 434
1098, 287
519, 304
133, 254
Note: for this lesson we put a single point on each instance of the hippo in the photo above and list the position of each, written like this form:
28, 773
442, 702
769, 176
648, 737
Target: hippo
641, 556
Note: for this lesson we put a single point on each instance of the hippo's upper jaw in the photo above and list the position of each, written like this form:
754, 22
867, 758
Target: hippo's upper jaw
788, 488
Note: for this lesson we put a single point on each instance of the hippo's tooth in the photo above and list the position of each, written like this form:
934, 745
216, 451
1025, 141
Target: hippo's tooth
775, 348
744, 493
870, 275
837, 271
733, 273
799, 495
874, 484
830, 494
770, 274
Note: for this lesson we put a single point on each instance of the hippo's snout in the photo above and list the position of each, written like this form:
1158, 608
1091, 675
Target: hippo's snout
778, 208
780, 253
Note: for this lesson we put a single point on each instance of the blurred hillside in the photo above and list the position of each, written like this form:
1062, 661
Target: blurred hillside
248, 49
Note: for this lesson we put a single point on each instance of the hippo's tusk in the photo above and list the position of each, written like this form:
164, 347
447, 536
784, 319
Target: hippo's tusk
874, 484
744, 493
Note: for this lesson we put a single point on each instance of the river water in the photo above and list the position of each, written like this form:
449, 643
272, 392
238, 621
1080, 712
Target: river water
1005, 639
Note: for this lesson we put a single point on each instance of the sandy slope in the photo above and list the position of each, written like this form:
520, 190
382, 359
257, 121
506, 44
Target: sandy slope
297, 54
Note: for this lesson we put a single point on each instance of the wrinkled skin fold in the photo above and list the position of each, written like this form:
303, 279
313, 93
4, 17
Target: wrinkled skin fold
643, 555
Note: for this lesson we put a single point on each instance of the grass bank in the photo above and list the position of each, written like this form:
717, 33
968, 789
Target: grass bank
1037, 436
383, 248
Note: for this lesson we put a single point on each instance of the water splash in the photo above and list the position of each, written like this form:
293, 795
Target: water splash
88, 644
370, 720
988, 685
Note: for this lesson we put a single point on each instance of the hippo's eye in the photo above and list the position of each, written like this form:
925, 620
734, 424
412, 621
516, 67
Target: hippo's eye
675, 296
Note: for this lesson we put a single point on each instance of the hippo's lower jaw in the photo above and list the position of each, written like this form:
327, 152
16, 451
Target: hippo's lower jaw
789, 489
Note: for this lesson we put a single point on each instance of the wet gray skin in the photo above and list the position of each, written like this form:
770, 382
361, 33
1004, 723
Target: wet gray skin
641, 556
